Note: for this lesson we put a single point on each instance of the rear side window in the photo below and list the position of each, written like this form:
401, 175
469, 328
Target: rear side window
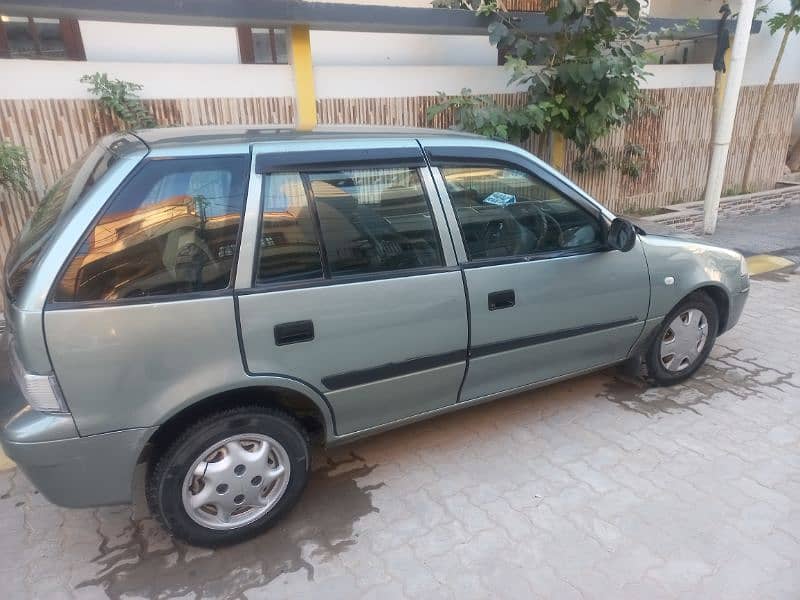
369, 220
57, 202
171, 229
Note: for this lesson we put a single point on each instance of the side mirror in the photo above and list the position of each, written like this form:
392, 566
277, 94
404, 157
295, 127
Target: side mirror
621, 235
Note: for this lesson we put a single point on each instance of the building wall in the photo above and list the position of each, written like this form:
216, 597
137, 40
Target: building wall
356, 48
147, 42
682, 9
61, 79
125, 42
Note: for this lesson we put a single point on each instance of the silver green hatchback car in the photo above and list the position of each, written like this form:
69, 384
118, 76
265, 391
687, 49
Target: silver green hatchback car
210, 301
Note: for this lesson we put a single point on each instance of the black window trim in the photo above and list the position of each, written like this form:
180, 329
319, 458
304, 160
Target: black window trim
465, 156
52, 304
301, 284
327, 279
338, 160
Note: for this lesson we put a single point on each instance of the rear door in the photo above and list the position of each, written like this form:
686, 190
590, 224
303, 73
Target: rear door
546, 297
350, 286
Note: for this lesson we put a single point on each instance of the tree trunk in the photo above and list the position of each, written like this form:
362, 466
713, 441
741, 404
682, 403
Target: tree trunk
793, 160
762, 109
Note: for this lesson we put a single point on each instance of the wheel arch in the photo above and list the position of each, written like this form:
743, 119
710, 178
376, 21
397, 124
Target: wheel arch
721, 299
715, 291
294, 397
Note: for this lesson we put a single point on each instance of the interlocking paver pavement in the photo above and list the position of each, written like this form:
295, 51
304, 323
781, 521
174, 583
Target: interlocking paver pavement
773, 232
594, 488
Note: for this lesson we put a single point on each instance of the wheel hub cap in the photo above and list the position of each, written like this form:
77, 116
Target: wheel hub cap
684, 340
236, 481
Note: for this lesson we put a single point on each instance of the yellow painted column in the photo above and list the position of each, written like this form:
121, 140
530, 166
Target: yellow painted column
558, 151
303, 68
720, 81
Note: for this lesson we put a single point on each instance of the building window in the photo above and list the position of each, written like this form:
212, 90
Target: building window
43, 39
263, 45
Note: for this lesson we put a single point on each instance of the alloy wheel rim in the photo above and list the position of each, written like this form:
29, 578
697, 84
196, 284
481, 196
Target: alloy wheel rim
683, 341
236, 481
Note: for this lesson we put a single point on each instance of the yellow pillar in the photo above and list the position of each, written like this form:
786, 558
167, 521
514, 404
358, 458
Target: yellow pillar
306, 99
558, 151
720, 81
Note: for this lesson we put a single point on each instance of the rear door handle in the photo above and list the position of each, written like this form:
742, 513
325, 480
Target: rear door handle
502, 299
294, 332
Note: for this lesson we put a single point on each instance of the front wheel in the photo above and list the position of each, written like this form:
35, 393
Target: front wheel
683, 341
229, 476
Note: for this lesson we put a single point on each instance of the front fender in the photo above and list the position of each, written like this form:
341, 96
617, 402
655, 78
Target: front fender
679, 267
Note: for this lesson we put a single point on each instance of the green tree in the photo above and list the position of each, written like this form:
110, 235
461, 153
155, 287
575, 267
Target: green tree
789, 23
581, 82
120, 100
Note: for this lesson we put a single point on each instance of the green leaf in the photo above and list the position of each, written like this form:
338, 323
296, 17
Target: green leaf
436, 110
497, 32
523, 47
599, 68
587, 72
633, 7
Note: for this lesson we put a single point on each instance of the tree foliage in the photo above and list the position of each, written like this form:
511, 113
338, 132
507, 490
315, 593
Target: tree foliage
582, 82
14, 172
120, 100
788, 23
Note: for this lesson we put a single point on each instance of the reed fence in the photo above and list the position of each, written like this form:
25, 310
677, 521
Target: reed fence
676, 139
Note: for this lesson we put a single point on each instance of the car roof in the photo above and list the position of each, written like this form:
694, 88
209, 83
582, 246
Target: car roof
172, 137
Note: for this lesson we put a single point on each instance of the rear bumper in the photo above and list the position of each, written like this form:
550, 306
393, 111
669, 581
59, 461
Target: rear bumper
67, 469
78, 472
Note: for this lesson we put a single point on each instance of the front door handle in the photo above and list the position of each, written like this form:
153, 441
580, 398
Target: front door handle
294, 332
502, 299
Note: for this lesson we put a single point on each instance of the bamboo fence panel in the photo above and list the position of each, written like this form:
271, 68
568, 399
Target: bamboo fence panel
529, 5
676, 139
57, 132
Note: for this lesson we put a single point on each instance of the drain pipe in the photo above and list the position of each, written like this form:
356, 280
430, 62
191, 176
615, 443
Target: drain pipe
727, 113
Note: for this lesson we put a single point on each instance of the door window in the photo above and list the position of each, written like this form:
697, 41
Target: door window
370, 221
288, 248
505, 212
171, 229
375, 220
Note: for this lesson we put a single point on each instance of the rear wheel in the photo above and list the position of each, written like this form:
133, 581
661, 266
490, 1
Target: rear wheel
229, 476
683, 341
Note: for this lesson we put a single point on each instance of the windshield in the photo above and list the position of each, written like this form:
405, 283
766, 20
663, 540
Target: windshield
57, 202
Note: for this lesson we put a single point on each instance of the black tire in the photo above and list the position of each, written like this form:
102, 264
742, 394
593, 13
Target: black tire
165, 480
657, 373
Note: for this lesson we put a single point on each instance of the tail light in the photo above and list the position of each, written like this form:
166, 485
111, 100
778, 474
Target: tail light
41, 391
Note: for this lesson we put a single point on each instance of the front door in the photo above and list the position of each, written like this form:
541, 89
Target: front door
546, 297
352, 290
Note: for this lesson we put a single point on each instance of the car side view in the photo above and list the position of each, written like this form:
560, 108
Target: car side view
213, 301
